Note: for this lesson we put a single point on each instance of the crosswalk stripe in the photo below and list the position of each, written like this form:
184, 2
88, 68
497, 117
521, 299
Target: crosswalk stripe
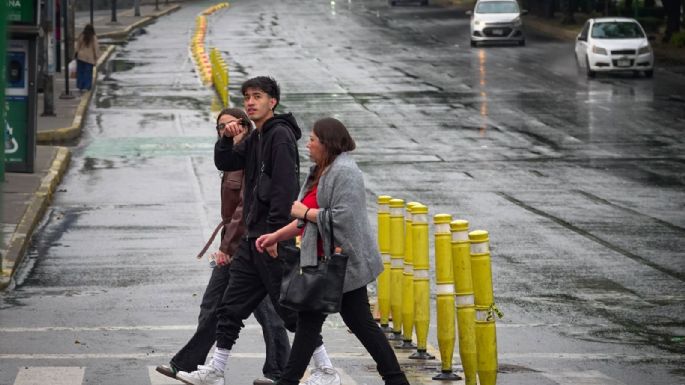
53, 375
157, 378
588, 377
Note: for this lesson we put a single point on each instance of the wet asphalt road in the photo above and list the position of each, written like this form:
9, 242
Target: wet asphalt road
580, 183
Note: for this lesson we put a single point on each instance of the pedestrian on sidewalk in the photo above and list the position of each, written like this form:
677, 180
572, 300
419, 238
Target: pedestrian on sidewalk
270, 160
334, 190
87, 54
194, 353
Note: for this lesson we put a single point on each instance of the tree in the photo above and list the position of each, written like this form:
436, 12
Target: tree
568, 7
672, 10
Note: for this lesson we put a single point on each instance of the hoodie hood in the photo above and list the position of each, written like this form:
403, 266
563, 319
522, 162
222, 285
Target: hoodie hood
287, 119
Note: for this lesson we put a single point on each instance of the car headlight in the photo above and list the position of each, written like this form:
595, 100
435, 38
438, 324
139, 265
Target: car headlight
644, 50
598, 50
517, 22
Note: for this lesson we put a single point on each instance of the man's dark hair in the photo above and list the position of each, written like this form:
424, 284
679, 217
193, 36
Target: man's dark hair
264, 83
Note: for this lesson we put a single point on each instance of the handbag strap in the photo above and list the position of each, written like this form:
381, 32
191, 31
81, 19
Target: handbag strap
330, 224
211, 239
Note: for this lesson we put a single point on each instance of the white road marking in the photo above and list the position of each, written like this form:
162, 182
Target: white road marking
53, 375
589, 377
108, 328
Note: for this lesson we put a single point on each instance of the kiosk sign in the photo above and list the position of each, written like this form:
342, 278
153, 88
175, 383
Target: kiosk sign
21, 11
16, 101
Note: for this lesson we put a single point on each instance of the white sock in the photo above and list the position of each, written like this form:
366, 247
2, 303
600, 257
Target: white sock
321, 359
219, 359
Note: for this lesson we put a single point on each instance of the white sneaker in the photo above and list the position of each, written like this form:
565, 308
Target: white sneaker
204, 375
323, 376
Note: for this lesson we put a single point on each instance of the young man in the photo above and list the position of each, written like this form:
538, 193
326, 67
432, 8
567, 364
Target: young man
195, 351
270, 159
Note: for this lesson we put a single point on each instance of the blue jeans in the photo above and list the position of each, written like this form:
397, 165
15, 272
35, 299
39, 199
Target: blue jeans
84, 75
195, 352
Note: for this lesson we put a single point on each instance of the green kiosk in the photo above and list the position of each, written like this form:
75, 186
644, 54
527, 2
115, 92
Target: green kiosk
20, 85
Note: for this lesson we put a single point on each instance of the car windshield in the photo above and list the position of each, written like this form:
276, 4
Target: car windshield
617, 30
497, 7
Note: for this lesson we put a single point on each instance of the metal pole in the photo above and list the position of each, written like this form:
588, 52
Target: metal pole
48, 81
67, 56
91, 12
114, 11
3, 42
156, 5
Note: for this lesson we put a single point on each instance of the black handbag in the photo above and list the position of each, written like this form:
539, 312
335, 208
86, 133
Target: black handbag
313, 288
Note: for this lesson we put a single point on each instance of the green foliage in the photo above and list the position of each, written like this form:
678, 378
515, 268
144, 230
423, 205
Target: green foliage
678, 39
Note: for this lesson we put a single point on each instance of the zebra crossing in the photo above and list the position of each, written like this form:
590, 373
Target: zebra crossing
75, 375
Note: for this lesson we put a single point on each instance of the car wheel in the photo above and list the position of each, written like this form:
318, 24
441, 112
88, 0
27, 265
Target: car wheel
590, 73
424, 2
473, 44
522, 43
649, 73
392, 3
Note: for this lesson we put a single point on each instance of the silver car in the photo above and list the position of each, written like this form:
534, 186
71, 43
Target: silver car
497, 21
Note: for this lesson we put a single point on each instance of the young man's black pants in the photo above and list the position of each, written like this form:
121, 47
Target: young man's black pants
356, 313
195, 352
253, 276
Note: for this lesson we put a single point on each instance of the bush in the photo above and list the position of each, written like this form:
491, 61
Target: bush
678, 39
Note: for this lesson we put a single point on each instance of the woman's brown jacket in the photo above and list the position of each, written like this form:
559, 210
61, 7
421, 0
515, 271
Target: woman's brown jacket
232, 211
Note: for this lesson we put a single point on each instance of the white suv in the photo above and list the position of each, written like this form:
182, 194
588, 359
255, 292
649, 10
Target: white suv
496, 20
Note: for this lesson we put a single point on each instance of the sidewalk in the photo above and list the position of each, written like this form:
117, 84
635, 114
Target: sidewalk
25, 197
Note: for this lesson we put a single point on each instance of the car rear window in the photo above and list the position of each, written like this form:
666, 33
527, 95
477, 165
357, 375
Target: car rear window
617, 30
497, 7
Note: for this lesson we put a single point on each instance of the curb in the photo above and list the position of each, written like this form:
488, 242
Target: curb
40, 200
68, 133
141, 23
74, 131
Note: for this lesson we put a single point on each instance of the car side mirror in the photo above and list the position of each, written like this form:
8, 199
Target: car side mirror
469, 13
580, 38
524, 12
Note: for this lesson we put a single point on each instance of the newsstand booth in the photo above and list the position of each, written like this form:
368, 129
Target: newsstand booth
20, 92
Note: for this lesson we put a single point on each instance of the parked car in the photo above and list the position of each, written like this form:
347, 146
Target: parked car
498, 21
614, 44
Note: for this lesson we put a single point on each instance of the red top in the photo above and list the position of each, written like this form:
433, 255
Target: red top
309, 200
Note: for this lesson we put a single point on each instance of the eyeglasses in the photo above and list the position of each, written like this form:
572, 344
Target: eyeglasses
243, 122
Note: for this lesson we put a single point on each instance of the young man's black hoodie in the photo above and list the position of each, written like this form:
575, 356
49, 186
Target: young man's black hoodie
271, 175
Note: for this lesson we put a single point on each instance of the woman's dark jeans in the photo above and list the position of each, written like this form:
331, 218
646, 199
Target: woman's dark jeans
356, 313
84, 75
195, 352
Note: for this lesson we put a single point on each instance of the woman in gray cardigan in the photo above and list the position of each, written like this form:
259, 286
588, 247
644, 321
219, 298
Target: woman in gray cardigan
335, 187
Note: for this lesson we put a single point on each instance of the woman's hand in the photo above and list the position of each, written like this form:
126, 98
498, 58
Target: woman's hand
268, 243
298, 210
221, 258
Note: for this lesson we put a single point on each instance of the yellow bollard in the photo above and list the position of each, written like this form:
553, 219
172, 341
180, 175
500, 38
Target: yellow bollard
384, 248
419, 233
408, 283
486, 336
463, 287
445, 296
396, 265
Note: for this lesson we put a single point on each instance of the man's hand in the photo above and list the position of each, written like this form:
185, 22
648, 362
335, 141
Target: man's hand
268, 243
232, 129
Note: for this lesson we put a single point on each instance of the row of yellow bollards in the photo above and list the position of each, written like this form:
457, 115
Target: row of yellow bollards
219, 75
197, 46
463, 281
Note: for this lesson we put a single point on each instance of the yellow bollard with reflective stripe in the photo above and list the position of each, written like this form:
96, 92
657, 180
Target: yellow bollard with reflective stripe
445, 296
396, 264
463, 287
384, 249
419, 232
486, 336
408, 283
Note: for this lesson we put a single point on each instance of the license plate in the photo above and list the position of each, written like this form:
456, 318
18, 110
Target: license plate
623, 63
498, 32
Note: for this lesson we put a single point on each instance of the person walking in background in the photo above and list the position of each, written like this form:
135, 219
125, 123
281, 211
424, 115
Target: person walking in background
270, 159
334, 190
195, 351
87, 54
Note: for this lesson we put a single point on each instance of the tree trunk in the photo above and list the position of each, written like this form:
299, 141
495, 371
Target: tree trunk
672, 9
568, 7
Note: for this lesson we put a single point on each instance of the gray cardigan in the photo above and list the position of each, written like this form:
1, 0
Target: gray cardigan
341, 193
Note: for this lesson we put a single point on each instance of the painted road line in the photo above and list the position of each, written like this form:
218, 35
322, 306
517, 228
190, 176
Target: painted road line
52, 375
157, 378
589, 377
109, 328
